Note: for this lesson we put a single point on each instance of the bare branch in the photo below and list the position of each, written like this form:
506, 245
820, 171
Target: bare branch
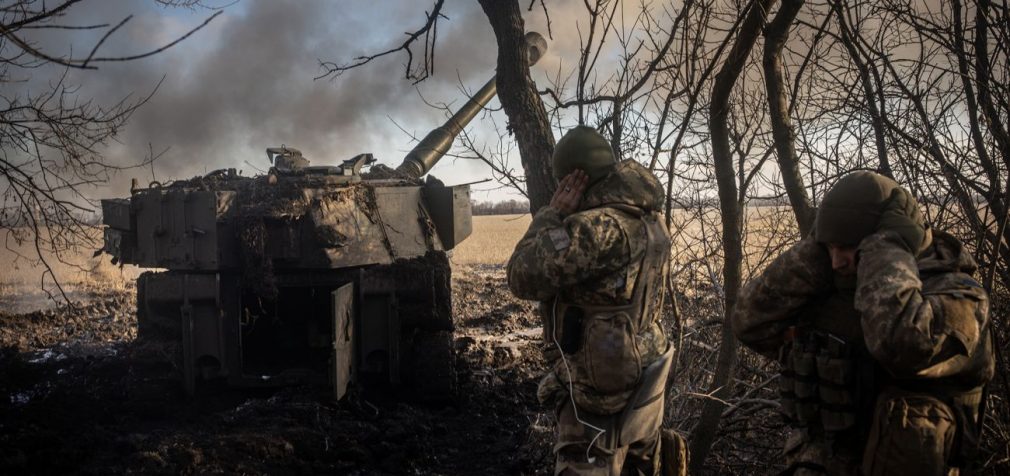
416, 73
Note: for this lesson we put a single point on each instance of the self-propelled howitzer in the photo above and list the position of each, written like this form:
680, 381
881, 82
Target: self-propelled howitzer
306, 273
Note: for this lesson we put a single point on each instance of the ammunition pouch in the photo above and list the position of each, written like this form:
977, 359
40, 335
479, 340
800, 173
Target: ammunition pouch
603, 356
912, 433
816, 383
931, 407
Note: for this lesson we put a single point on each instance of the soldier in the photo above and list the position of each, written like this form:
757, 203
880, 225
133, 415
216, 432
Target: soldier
597, 258
881, 332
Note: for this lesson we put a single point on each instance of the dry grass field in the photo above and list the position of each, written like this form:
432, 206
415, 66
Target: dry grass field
493, 239
26, 285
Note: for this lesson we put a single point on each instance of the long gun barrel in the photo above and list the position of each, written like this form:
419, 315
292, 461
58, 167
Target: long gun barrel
435, 145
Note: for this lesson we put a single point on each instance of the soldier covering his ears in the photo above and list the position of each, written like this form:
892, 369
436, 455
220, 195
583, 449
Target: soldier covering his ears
597, 258
882, 335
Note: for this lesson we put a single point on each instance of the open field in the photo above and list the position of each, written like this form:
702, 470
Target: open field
26, 285
493, 239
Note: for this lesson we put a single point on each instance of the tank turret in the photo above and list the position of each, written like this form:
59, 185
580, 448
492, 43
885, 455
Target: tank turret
306, 273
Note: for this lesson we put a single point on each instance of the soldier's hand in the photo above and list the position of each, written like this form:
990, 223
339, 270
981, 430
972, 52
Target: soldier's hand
569, 192
901, 214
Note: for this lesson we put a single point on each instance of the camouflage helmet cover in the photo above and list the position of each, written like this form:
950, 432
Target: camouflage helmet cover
583, 148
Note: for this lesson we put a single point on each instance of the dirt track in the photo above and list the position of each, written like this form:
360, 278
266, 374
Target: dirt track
79, 395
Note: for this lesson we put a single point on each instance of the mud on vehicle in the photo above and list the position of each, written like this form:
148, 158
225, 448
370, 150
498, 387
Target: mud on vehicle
307, 273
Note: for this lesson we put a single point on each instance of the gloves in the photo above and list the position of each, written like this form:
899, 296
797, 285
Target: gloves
901, 215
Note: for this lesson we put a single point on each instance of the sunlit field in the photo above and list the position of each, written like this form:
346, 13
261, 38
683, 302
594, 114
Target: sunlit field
696, 251
493, 239
696, 237
26, 284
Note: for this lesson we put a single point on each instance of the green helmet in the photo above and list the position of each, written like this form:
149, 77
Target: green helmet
583, 148
851, 209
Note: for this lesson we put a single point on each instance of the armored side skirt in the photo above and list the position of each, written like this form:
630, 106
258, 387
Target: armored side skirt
382, 324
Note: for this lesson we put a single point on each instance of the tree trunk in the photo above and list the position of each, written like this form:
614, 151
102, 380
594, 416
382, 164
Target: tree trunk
517, 93
704, 433
778, 105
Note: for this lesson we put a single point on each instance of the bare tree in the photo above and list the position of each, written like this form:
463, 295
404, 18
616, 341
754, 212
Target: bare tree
776, 36
52, 137
518, 96
729, 204
415, 70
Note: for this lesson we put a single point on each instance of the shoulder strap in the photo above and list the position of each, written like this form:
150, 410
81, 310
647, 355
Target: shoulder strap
651, 271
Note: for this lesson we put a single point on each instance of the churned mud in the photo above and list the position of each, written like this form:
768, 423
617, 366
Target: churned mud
79, 394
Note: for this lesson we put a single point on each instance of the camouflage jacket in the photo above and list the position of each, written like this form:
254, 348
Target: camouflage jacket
925, 318
772, 302
922, 319
593, 256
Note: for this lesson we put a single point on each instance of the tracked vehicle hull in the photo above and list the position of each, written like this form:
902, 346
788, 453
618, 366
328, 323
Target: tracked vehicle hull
322, 274
298, 278
381, 324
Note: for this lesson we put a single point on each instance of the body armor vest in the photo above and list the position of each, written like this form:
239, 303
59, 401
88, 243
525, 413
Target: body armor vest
829, 383
828, 379
602, 343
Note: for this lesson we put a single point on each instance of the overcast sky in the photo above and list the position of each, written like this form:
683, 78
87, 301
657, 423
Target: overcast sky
245, 82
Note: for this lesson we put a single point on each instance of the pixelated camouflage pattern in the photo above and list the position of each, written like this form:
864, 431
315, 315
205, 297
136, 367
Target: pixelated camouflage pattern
599, 266
921, 319
599, 243
575, 443
924, 319
630, 184
598, 251
771, 302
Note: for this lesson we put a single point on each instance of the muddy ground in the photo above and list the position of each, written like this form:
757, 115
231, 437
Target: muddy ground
79, 394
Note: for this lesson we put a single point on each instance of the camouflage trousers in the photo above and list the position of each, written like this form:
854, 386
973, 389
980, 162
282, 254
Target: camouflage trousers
627, 442
579, 452
582, 449
911, 433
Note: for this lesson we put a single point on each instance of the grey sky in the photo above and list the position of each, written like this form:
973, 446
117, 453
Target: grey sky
245, 82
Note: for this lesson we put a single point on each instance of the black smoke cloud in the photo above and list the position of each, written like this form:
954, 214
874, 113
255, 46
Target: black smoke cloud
245, 82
